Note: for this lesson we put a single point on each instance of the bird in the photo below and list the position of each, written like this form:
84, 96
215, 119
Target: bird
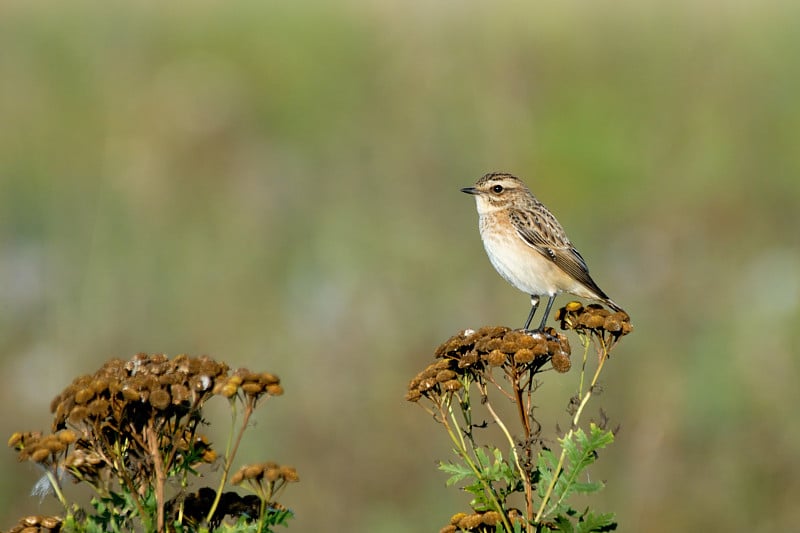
527, 245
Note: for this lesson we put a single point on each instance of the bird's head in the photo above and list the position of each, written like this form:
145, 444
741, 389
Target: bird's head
498, 190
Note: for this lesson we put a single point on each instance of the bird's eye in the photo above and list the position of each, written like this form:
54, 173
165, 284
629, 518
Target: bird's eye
497, 189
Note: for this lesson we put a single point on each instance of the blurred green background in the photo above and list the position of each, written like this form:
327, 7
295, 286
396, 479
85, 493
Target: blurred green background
276, 185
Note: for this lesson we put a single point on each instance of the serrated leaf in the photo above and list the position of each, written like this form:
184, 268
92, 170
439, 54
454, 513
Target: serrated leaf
457, 472
564, 524
587, 487
546, 465
483, 459
581, 451
596, 523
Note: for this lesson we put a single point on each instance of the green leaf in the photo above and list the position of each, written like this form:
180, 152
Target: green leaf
580, 451
564, 524
483, 459
546, 465
587, 487
591, 522
457, 472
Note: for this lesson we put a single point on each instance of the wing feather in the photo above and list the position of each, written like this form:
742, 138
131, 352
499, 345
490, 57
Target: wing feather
541, 230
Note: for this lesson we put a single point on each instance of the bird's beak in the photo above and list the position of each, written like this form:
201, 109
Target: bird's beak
470, 190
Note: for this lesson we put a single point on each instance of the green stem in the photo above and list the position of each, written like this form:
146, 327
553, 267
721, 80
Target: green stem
161, 474
230, 453
522, 473
262, 514
125, 480
541, 512
227, 461
57, 488
462, 452
585, 341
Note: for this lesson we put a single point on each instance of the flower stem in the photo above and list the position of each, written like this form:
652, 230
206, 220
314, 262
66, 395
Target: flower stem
575, 419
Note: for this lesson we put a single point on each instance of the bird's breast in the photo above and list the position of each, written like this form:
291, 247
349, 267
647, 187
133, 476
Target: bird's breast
519, 263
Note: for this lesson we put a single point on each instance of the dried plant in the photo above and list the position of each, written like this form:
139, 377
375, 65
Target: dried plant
499, 362
131, 432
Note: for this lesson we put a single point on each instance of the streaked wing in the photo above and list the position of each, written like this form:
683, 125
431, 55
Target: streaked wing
542, 231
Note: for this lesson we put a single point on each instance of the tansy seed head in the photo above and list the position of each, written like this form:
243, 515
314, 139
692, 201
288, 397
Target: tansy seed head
209, 456
471, 521
266, 378
443, 364
445, 375
179, 393
413, 395
160, 399
468, 359
78, 415
523, 356
456, 518
289, 474
53, 445
83, 396
129, 393
427, 384
16, 438
560, 362
51, 522
229, 390
508, 347
452, 385
253, 471
491, 518
495, 358
40, 455
33, 520
99, 408
271, 473
252, 388
274, 389
541, 348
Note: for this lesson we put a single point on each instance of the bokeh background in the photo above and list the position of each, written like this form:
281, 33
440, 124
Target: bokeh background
276, 184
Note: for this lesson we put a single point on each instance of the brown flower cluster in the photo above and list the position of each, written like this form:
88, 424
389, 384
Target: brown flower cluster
45, 449
265, 479
99, 415
130, 392
473, 353
37, 524
595, 320
483, 522
134, 424
268, 472
252, 385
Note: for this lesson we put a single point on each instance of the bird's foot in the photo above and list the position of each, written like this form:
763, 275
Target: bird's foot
547, 333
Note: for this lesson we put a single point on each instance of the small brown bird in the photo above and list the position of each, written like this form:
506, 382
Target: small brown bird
527, 245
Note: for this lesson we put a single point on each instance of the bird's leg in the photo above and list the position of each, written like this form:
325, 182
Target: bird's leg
547, 311
534, 305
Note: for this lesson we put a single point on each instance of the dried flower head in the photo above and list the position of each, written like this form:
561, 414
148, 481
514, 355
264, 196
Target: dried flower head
131, 418
37, 524
471, 355
561, 363
594, 318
